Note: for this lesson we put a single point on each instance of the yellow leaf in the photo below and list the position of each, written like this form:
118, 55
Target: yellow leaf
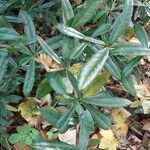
29, 110
120, 128
146, 106
108, 141
96, 84
75, 68
136, 104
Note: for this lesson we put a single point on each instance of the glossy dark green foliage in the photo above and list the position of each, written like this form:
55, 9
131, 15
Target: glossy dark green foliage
85, 44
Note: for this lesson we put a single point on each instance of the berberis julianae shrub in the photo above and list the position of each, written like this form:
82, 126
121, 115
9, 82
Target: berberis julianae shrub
80, 47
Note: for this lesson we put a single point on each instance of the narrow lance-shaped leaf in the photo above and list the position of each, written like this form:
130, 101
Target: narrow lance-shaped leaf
92, 68
122, 21
130, 49
8, 34
86, 124
63, 122
48, 50
29, 27
141, 34
77, 51
67, 9
101, 120
110, 102
43, 89
3, 62
131, 64
76, 34
55, 81
128, 84
87, 10
96, 84
29, 78
55, 145
113, 68
102, 29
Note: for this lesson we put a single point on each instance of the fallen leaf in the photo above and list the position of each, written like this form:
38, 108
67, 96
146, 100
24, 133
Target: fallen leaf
29, 111
146, 106
68, 137
74, 69
146, 126
108, 141
136, 104
120, 128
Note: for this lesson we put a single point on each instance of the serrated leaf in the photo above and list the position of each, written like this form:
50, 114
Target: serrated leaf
43, 89
63, 122
130, 66
113, 69
102, 29
76, 34
85, 13
77, 51
48, 50
29, 79
107, 102
122, 21
29, 27
92, 68
86, 124
96, 84
101, 120
8, 34
55, 81
130, 49
51, 115
73, 80
67, 9
141, 34
54, 145
128, 84
3, 62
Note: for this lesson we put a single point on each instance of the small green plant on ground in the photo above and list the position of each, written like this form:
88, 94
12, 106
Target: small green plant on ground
72, 56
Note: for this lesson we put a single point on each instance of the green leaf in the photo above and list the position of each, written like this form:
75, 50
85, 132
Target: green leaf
86, 124
77, 51
128, 84
14, 138
122, 21
6, 4
86, 12
54, 145
130, 66
130, 50
55, 81
96, 84
141, 34
48, 50
110, 102
74, 33
92, 68
73, 80
67, 45
8, 34
43, 89
113, 68
101, 120
102, 29
67, 9
51, 115
29, 78
29, 27
63, 122
3, 62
